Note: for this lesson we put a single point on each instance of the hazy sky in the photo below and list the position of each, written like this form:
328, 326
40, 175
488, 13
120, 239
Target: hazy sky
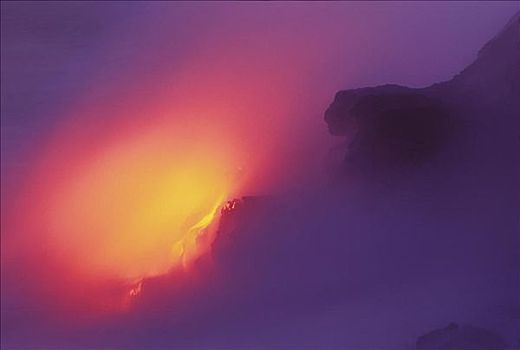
280, 62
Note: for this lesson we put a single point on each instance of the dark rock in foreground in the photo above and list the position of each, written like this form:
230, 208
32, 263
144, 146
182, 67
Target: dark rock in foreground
455, 337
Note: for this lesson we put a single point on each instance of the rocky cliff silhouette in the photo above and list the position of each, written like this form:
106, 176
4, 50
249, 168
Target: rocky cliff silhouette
398, 127
363, 268
445, 226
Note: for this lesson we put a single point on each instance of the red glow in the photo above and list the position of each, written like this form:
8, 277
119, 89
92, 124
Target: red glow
133, 176
124, 210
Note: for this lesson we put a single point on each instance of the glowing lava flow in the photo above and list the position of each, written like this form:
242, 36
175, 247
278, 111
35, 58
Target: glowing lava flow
138, 206
135, 291
199, 234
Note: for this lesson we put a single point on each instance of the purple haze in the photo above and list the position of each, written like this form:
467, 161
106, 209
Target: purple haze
373, 258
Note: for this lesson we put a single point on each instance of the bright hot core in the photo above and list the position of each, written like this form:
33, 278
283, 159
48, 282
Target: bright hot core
139, 206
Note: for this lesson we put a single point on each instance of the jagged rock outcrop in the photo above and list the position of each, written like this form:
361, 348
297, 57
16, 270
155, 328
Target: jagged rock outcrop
397, 126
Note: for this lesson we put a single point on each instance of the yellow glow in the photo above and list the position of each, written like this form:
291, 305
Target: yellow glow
186, 248
141, 206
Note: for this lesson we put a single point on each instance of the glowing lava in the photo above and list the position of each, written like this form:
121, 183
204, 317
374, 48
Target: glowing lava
197, 237
135, 291
139, 205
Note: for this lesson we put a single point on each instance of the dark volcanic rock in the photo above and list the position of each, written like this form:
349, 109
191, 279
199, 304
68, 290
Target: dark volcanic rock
455, 337
496, 71
397, 126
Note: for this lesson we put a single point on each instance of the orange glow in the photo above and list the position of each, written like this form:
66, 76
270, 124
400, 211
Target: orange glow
133, 173
140, 205
134, 292
188, 246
